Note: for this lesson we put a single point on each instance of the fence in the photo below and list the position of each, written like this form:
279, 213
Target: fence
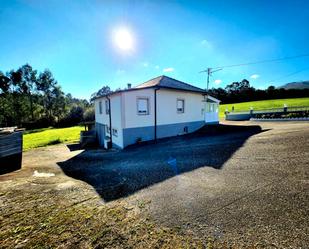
246, 115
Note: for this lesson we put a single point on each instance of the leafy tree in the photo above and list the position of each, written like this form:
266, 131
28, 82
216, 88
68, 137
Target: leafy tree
25, 80
103, 91
4, 83
89, 114
46, 84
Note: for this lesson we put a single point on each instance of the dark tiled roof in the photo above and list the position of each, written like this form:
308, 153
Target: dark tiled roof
167, 82
161, 82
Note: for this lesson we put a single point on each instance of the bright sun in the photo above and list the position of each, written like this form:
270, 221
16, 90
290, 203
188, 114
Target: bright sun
123, 39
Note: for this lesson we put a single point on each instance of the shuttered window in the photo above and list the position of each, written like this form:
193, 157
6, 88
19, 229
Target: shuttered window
180, 105
100, 107
142, 106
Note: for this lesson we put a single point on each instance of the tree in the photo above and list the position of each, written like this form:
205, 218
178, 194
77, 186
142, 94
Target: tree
58, 102
89, 114
25, 80
5, 83
46, 84
103, 91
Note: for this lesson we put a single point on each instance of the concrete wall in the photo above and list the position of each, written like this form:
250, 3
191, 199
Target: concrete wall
167, 111
169, 121
130, 115
131, 135
166, 108
238, 116
100, 118
131, 126
116, 112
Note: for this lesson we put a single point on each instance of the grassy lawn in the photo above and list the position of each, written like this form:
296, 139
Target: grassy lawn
49, 136
264, 104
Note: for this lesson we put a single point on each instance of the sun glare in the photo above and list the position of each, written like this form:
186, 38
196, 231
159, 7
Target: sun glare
123, 39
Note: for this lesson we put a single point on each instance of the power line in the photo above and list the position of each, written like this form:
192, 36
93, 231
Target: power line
263, 61
210, 70
296, 72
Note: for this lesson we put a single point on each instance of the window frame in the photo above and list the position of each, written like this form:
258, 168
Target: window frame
107, 107
183, 105
100, 107
148, 106
115, 132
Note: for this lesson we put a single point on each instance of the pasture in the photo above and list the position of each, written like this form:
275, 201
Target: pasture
263, 104
48, 136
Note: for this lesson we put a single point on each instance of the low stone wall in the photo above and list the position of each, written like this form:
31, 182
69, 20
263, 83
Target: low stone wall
238, 116
279, 119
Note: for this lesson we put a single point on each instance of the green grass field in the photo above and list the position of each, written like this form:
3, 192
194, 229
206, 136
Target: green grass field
49, 136
264, 104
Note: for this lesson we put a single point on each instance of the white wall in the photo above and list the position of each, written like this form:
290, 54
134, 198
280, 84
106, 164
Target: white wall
130, 117
116, 118
116, 104
167, 111
100, 118
166, 108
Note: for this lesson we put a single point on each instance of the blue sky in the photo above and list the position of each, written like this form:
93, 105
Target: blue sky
74, 39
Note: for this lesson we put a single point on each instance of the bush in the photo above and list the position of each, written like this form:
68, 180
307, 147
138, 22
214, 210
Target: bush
74, 117
89, 114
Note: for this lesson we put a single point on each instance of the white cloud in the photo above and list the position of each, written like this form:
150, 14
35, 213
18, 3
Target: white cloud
169, 69
217, 82
120, 71
254, 76
157, 67
206, 43
145, 64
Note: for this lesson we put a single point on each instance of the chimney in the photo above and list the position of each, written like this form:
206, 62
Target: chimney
129, 85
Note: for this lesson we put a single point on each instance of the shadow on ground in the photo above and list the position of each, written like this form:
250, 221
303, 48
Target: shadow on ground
119, 174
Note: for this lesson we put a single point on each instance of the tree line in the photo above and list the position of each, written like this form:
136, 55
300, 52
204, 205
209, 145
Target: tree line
242, 92
33, 99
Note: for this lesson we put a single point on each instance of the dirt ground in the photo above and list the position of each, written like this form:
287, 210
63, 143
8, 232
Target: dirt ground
243, 185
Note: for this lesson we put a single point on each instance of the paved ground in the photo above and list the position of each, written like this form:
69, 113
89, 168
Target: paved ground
244, 185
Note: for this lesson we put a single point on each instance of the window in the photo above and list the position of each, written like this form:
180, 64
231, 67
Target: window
142, 106
107, 129
115, 132
211, 108
100, 107
180, 105
107, 107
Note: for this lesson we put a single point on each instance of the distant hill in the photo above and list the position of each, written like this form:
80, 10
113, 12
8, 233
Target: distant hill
296, 85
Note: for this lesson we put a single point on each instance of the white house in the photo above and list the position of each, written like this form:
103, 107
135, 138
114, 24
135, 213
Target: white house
161, 107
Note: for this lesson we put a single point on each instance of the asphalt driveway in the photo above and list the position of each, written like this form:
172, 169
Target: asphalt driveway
244, 183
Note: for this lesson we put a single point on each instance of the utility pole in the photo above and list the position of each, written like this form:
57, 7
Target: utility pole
209, 72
